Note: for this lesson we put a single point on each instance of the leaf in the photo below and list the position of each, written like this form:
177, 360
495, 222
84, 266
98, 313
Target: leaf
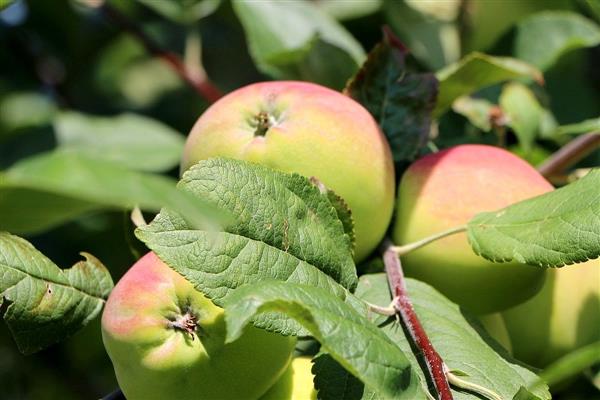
523, 111
589, 125
557, 228
477, 111
477, 71
333, 382
457, 342
545, 36
183, 11
47, 304
284, 218
428, 28
572, 364
129, 140
399, 100
343, 10
25, 109
296, 40
70, 184
351, 339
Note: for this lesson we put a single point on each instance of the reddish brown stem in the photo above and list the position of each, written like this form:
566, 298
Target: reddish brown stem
204, 86
570, 154
404, 308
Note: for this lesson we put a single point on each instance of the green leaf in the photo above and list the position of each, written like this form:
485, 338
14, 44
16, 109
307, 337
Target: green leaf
41, 192
183, 11
557, 228
571, 364
25, 109
545, 36
296, 40
47, 304
523, 111
130, 140
589, 125
477, 111
333, 382
350, 338
457, 342
342, 10
284, 218
477, 71
428, 28
400, 101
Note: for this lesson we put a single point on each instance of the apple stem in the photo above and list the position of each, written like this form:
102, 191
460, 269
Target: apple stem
463, 384
200, 83
405, 310
407, 248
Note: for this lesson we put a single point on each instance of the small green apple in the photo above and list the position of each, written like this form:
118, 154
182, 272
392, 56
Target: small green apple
295, 384
312, 130
166, 341
562, 317
443, 191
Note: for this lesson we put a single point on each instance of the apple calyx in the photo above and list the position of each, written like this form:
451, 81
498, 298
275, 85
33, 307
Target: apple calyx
187, 322
262, 121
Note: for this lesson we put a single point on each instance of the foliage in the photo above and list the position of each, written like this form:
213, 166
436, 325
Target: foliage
90, 128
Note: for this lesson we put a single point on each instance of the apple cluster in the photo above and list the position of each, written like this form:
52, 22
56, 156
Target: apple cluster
166, 339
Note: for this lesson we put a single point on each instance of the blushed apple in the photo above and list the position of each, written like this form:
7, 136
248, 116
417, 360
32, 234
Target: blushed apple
166, 341
443, 191
562, 317
312, 130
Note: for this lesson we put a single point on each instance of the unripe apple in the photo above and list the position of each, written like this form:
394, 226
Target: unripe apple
443, 191
495, 327
312, 130
562, 317
295, 384
166, 341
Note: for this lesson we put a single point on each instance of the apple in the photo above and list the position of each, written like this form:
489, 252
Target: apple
311, 130
166, 341
562, 317
444, 190
494, 325
296, 383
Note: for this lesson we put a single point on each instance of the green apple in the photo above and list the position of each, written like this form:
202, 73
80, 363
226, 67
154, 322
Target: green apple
443, 191
494, 325
312, 130
166, 341
295, 384
562, 317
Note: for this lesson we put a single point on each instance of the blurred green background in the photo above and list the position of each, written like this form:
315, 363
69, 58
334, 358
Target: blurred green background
64, 61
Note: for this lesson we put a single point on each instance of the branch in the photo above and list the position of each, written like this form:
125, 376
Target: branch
116, 395
570, 154
201, 84
401, 302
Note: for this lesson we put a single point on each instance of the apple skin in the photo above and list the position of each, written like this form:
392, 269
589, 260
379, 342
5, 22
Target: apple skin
310, 130
154, 360
444, 190
562, 317
296, 383
495, 327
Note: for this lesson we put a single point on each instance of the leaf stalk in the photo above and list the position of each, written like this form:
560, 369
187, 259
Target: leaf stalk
407, 248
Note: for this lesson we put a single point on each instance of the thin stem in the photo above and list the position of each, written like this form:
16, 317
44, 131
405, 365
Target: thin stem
407, 248
406, 312
201, 84
473, 387
570, 154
